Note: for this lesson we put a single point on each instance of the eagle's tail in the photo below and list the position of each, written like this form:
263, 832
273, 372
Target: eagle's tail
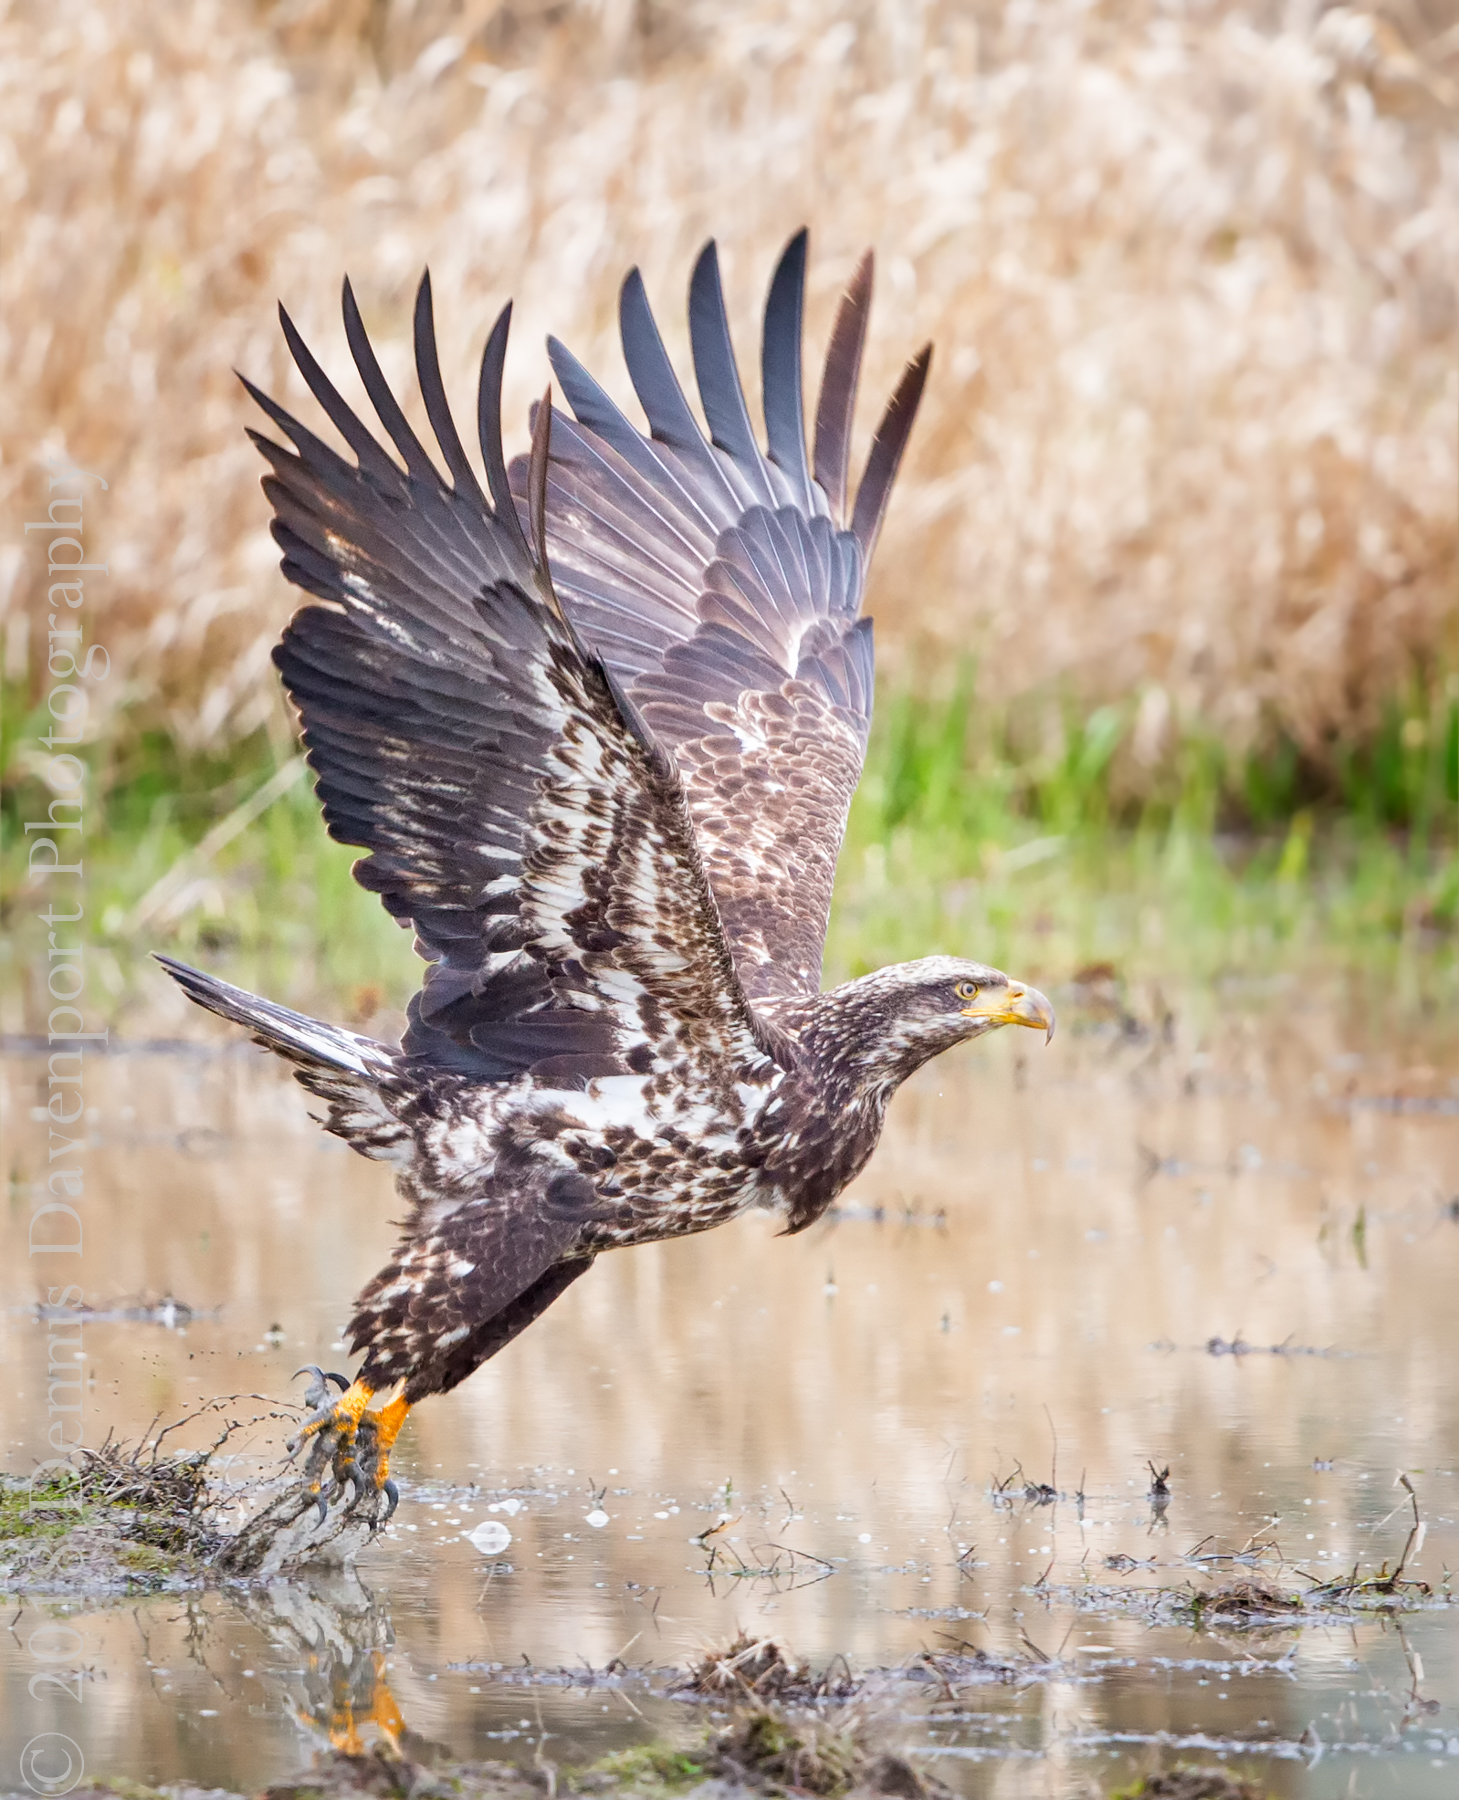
356, 1075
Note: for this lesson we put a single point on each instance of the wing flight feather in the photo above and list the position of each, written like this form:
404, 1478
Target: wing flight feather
780, 374
515, 807
839, 383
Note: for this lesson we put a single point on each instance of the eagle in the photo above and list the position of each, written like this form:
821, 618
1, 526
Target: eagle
597, 725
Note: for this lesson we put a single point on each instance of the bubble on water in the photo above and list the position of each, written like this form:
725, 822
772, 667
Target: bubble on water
490, 1537
510, 1507
597, 1518
865, 1538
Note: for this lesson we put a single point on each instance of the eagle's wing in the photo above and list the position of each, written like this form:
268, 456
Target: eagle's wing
722, 585
516, 810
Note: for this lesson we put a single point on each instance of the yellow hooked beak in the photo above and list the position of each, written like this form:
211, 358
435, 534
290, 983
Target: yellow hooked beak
1014, 1005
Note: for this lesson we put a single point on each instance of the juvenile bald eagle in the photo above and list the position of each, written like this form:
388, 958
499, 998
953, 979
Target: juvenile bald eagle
598, 727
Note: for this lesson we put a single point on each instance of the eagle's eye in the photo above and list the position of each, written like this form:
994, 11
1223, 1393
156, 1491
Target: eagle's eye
966, 990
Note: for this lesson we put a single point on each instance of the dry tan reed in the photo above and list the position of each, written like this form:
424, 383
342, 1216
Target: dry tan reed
1190, 269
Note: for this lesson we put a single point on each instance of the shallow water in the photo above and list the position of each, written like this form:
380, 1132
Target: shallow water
1026, 1283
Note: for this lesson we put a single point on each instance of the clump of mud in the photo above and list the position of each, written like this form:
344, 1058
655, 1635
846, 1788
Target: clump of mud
342, 1775
778, 1741
120, 1519
1244, 1603
1192, 1784
758, 1669
130, 1518
767, 1749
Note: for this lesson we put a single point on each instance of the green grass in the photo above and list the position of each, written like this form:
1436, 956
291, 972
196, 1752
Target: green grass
963, 839
1041, 861
652, 1766
49, 1508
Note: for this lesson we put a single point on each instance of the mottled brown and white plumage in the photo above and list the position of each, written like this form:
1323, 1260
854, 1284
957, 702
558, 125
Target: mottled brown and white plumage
598, 725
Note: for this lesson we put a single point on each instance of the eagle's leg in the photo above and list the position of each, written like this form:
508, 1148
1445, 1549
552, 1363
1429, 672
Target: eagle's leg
374, 1439
333, 1426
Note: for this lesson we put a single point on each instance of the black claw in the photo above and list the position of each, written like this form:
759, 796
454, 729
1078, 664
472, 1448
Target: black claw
318, 1389
321, 1500
323, 1375
392, 1494
317, 1394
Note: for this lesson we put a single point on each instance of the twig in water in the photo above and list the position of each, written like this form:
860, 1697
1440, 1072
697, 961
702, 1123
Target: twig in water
810, 1555
1416, 1533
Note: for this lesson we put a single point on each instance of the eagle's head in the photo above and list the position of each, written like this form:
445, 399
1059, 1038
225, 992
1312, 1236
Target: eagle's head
941, 1000
881, 1027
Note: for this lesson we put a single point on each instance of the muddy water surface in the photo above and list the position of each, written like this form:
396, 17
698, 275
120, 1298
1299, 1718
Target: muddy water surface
1224, 1243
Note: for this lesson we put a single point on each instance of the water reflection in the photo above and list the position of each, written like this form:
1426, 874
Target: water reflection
1221, 1247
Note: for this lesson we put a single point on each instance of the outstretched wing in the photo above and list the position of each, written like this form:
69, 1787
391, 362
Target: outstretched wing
722, 585
516, 811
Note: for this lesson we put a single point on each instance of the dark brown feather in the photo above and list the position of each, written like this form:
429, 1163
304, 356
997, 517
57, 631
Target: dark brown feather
885, 455
780, 371
836, 407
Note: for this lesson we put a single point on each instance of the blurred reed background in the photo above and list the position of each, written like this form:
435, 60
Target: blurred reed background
1175, 549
